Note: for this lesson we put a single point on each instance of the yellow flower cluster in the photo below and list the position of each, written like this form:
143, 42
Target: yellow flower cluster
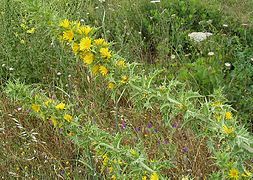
57, 113
94, 52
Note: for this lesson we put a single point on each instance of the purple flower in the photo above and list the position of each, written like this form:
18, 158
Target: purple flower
62, 172
150, 125
137, 129
175, 125
123, 124
185, 149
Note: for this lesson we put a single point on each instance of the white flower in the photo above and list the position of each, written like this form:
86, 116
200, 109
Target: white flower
199, 36
58, 74
210, 54
11, 69
227, 64
3, 65
172, 56
155, 1
101, 1
225, 25
251, 59
82, 20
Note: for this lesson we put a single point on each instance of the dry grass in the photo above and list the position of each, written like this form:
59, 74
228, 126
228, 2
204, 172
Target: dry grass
32, 149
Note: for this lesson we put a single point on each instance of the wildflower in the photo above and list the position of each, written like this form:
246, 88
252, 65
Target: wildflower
100, 41
217, 104
85, 30
155, 1
154, 176
210, 54
60, 106
65, 23
111, 85
228, 130
59, 73
88, 58
172, 56
124, 79
11, 69
199, 36
105, 160
185, 149
113, 177
103, 70
144, 177
95, 69
54, 121
68, 117
121, 63
68, 35
75, 48
234, 173
105, 53
36, 107
228, 65
85, 44
48, 102
31, 31
228, 115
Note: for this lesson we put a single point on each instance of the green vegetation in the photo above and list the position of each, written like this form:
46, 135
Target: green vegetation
126, 89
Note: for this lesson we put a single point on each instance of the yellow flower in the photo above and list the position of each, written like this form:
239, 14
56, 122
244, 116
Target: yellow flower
103, 70
217, 104
85, 44
68, 117
121, 63
95, 69
100, 41
60, 106
111, 85
154, 176
144, 177
105, 53
48, 102
228, 130
68, 35
75, 48
36, 107
105, 160
234, 173
65, 23
113, 177
88, 58
85, 30
124, 79
228, 115
54, 121
110, 169
31, 31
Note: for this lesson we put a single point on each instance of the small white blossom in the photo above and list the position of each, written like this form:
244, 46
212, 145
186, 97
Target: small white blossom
82, 20
172, 56
11, 69
210, 54
199, 36
227, 64
155, 1
58, 74
3, 65
225, 25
